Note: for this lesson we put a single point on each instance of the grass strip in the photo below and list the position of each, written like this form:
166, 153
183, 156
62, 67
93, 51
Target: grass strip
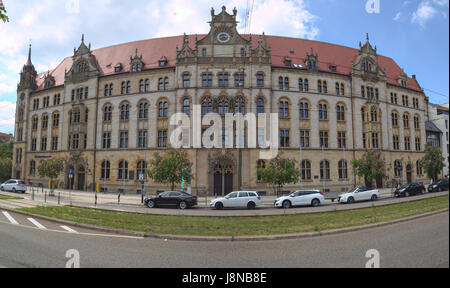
242, 226
4, 197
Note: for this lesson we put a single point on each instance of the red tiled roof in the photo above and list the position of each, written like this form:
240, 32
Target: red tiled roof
153, 50
5, 137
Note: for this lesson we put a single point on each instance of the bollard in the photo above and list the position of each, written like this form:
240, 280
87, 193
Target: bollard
59, 198
45, 197
118, 199
32, 193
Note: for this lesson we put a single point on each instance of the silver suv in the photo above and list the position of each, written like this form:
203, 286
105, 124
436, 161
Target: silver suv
14, 185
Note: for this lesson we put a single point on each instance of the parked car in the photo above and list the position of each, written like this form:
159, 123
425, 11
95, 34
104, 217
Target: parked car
14, 185
171, 198
410, 189
442, 185
237, 199
312, 198
359, 194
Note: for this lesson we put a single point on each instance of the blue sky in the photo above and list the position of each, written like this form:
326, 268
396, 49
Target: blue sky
413, 32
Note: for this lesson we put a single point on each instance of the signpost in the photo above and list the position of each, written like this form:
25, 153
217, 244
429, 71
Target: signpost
70, 190
142, 179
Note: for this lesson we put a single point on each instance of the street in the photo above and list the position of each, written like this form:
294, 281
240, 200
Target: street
418, 243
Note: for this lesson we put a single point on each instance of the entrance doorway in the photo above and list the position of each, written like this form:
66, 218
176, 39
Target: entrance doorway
81, 178
223, 178
409, 173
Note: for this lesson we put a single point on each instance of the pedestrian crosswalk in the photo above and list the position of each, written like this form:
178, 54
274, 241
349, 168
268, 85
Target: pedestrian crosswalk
18, 219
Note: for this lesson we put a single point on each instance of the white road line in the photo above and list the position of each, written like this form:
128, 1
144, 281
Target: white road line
36, 223
69, 229
10, 218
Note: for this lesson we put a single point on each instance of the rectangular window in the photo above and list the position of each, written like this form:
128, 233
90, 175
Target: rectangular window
124, 139
407, 144
142, 141
54, 143
396, 142
341, 140
33, 144
323, 139
107, 140
418, 146
44, 144
375, 142
284, 138
162, 138
304, 138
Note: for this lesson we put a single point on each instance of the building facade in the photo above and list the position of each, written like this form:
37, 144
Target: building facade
438, 115
106, 111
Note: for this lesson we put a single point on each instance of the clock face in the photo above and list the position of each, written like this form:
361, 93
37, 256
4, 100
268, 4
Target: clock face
223, 37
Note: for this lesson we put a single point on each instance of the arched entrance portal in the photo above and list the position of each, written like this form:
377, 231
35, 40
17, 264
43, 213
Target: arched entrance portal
223, 178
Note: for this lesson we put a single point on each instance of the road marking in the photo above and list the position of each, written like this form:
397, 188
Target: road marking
10, 218
69, 229
36, 223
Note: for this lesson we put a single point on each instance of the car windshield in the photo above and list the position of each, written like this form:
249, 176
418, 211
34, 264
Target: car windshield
405, 186
22, 182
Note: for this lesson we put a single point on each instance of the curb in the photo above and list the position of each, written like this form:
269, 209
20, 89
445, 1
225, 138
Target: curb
232, 238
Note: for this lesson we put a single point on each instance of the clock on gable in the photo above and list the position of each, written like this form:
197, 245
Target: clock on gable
223, 37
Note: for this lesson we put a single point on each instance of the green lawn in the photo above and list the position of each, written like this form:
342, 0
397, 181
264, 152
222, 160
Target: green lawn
4, 197
242, 226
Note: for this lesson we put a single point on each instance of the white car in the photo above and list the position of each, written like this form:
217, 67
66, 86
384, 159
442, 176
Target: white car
14, 185
237, 199
359, 194
312, 198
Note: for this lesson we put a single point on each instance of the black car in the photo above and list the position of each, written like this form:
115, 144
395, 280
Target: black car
409, 190
171, 198
442, 185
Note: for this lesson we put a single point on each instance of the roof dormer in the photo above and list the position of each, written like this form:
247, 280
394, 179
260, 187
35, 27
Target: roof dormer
136, 63
312, 61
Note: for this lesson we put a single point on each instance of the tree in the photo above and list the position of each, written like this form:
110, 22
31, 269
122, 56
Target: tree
6, 155
370, 166
432, 162
171, 167
279, 172
5, 169
51, 169
3, 16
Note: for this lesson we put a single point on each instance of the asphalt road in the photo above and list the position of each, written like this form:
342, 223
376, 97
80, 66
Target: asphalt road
418, 243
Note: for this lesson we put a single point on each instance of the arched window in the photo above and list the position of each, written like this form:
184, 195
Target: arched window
143, 110
286, 83
406, 121
342, 89
207, 80
397, 165
223, 80
187, 106
394, 119
223, 106
324, 170
416, 122
340, 110
123, 88
260, 105
55, 119
163, 109
304, 109
319, 86
128, 87
337, 88
44, 121
166, 83
363, 115
161, 84
342, 169
206, 106
280, 83
106, 90
374, 114
111, 88
419, 168
141, 168
147, 85
306, 85
123, 170
300, 85
306, 170
32, 167
239, 105
261, 164
34, 122
323, 111
284, 109
141, 86
125, 112
107, 113
106, 169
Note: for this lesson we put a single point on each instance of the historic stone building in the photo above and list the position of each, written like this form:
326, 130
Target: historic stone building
106, 111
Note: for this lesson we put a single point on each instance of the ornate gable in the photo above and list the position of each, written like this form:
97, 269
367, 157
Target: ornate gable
84, 65
366, 64
136, 63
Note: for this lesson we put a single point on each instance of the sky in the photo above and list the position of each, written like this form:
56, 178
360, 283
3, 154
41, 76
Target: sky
415, 33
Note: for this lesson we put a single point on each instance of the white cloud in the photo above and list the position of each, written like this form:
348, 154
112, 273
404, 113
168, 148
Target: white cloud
427, 10
7, 117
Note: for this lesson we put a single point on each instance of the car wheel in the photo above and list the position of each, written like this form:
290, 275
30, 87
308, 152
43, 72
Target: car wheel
151, 204
2, 188
406, 194
315, 203
422, 191
182, 205
287, 204
350, 200
374, 198
251, 205
219, 206
439, 189
14, 190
